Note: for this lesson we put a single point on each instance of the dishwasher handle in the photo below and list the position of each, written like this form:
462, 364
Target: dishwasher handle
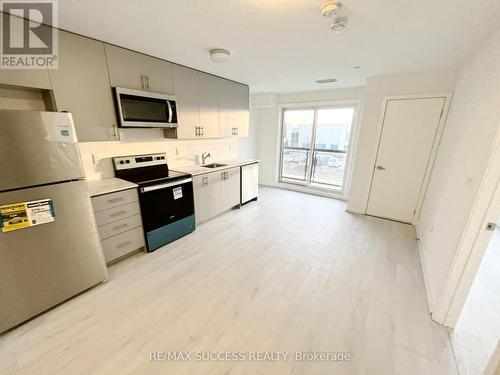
165, 186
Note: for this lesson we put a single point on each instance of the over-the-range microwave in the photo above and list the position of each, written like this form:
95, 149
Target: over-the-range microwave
144, 109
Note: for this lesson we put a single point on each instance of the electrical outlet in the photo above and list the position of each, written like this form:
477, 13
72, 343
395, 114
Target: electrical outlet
96, 158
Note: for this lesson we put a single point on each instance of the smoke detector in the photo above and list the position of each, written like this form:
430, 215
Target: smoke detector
219, 55
338, 24
330, 7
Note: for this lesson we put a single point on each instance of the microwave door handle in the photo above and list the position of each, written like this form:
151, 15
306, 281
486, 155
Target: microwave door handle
169, 112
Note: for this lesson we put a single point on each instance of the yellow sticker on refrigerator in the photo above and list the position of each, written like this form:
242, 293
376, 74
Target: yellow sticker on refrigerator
26, 214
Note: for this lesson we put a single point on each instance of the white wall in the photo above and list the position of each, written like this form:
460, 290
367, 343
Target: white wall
466, 146
265, 111
377, 88
179, 153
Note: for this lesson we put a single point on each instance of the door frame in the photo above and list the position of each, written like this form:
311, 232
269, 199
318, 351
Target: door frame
435, 145
493, 367
353, 142
472, 245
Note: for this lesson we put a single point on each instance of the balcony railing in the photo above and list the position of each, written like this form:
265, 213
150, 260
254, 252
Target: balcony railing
328, 166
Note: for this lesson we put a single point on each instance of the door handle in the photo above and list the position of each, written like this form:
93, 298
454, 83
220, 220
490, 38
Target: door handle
492, 227
380, 168
115, 200
119, 213
123, 244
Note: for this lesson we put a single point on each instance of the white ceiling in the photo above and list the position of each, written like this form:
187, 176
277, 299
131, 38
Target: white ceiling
285, 45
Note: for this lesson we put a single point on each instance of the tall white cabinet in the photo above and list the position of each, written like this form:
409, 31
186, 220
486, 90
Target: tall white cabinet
81, 86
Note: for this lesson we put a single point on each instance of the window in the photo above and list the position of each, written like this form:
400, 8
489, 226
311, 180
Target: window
315, 146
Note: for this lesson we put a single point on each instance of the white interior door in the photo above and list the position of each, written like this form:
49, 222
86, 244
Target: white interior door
408, 133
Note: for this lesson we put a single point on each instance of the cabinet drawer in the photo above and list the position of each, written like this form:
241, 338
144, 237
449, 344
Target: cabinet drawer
117, 213
120, 226
107, 201
122, 244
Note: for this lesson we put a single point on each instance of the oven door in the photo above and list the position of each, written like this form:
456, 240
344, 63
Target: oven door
167, 211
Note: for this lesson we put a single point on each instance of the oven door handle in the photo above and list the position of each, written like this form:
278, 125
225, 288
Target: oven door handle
164, 186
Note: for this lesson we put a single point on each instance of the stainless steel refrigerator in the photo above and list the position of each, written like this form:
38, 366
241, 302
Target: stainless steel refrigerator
49, 245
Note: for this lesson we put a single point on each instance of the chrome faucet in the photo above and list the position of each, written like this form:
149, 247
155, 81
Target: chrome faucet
204, 157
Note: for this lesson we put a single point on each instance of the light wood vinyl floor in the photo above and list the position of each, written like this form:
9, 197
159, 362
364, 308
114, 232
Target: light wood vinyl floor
291, 272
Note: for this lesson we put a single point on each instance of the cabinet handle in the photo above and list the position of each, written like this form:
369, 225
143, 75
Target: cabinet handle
119, 213
120, 226
195, 131
205, 180
143, 85
202, 131
123, 244
147, 81
115, 200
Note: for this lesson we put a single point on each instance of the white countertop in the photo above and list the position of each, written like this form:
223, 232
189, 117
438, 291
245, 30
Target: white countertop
108, 185
198, 169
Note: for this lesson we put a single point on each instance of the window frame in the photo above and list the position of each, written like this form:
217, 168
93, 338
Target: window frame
308, 185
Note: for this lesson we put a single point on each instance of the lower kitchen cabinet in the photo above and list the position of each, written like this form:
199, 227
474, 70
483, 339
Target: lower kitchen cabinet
119, 223
216, 192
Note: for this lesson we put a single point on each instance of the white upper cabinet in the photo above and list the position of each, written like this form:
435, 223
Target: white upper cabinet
188, 108
197, 103
209, 105
233, 108
81, 86
134, 70
36, 78
242, 115
158, 75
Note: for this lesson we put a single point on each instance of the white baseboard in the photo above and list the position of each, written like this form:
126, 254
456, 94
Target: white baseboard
428, 290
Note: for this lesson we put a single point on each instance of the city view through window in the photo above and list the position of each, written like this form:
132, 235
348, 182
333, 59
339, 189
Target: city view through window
322, 162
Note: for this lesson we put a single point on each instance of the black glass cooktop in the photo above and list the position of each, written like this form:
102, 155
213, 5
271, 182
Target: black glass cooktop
149, 175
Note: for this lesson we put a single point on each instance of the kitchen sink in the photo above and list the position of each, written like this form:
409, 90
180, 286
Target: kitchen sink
214, 165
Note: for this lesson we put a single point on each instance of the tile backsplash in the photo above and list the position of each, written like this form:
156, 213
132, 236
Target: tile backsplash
96, 156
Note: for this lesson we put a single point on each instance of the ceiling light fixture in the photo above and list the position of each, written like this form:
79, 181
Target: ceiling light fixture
330, 7
328, 80
219, 55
